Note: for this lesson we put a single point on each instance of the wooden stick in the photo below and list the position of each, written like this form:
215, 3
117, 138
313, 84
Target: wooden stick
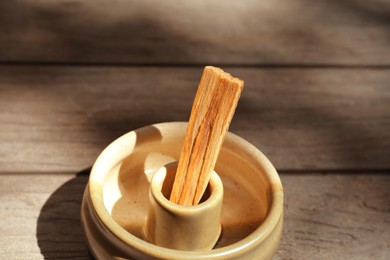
212, 111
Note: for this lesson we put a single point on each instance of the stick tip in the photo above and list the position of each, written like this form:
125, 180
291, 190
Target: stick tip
225, 76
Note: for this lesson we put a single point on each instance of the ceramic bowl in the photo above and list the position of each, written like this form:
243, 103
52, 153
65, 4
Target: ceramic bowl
116, 200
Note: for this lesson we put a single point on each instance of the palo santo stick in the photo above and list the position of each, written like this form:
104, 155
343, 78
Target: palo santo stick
212, 111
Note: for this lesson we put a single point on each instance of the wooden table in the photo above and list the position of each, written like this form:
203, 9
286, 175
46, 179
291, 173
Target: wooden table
75, 75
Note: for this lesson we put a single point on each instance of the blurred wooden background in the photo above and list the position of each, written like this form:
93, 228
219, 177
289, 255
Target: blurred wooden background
75, 75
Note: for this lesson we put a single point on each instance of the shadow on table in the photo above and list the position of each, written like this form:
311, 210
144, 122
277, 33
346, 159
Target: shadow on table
59, 233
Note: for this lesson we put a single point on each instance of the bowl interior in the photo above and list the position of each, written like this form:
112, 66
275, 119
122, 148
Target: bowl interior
132, 159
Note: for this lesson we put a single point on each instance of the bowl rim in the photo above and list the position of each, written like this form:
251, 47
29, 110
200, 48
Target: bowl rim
271, 220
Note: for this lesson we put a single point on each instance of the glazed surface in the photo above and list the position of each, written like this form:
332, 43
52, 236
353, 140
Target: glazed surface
126, 189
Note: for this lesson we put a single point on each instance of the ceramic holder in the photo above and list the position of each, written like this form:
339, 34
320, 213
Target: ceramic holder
189, 228
115, 205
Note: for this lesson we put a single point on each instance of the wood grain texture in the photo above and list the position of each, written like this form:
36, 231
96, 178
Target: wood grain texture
60, 118
336, 217
349, 32
40, 216
212, 111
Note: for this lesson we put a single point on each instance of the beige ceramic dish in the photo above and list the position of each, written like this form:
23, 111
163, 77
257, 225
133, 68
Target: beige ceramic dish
115, 204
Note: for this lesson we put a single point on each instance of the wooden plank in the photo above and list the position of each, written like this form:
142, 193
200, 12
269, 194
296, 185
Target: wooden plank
40, 216
335, 217
60, 118
350, 32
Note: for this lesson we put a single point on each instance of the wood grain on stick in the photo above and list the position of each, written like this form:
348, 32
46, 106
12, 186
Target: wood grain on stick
212, 111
